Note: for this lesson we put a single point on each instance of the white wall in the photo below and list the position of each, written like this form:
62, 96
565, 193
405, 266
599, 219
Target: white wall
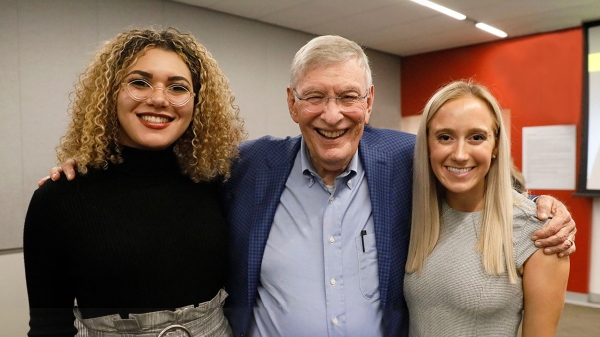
45, 44
14, 310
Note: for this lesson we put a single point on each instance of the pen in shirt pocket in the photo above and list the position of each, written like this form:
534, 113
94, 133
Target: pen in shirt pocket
362, 238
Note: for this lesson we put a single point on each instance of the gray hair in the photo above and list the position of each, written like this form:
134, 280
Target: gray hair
325, 50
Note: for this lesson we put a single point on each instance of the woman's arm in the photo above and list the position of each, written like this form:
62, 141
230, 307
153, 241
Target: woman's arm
49, 283
544, 286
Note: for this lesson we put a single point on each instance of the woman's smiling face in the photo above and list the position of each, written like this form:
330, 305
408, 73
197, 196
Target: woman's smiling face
461, 141
155, 123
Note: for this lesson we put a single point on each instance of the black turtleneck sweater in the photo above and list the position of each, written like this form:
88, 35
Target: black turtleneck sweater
137, 237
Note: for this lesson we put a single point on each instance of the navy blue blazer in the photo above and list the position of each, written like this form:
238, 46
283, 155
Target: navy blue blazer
252, 195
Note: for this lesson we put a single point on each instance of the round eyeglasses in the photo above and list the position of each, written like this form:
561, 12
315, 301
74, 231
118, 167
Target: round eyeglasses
317, 101
141, 90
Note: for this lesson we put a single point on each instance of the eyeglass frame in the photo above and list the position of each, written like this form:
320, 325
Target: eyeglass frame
327, 98
138, 99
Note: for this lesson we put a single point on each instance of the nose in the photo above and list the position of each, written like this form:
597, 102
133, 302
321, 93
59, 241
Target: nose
332, 113
157, 99
460, 152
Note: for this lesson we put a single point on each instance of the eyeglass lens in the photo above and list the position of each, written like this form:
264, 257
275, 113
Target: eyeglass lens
141, 90
318, 102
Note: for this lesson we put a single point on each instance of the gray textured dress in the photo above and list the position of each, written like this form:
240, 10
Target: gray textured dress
454, 296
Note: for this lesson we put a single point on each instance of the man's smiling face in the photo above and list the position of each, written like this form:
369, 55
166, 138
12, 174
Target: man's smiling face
332, 135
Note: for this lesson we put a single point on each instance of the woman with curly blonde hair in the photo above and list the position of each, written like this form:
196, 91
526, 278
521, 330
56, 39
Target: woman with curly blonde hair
206, 147
139, 241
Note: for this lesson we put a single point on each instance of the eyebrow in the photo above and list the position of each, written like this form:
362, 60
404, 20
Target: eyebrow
319, 91
149, 75
449, 130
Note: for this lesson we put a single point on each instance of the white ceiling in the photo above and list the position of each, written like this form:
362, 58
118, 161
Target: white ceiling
402, 27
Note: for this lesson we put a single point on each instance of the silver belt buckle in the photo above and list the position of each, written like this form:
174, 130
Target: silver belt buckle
174, 328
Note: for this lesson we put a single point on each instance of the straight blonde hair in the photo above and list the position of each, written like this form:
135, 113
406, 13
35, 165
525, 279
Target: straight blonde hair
495, 242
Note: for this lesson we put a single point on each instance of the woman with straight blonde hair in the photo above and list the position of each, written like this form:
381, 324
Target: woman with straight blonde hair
472, 269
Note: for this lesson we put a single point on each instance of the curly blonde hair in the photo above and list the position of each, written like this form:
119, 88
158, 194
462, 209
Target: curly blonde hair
206, 148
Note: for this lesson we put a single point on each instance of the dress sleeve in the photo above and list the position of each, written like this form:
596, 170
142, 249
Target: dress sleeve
50, 287
525, 222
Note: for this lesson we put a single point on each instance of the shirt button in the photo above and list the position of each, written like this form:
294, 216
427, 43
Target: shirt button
335, 320
331, 198
331, 239
332, 281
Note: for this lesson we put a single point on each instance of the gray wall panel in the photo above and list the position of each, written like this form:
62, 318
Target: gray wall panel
44, 45
12, 204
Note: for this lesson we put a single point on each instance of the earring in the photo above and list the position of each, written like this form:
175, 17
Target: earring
493, 156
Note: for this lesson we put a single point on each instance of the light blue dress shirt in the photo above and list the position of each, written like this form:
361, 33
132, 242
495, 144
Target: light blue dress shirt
315, 279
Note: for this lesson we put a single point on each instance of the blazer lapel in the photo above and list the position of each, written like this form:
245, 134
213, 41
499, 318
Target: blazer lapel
378, 170
271, 177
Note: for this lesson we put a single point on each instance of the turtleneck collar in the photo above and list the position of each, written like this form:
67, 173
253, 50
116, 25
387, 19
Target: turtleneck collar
147, 162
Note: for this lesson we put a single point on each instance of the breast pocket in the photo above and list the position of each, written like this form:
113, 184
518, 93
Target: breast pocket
368, 272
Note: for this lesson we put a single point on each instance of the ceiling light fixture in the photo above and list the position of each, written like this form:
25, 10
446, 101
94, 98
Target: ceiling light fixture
491, 29
459, 16
441, 9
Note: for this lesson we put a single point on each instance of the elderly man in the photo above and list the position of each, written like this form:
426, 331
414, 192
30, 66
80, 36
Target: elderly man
320, 222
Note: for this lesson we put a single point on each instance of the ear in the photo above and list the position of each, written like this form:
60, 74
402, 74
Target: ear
291, 101
370, 98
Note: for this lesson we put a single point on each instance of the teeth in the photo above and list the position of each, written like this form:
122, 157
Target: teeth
154, 119
459, 170
331, 134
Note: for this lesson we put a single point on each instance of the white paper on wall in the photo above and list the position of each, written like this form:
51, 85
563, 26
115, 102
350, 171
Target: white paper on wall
549, 157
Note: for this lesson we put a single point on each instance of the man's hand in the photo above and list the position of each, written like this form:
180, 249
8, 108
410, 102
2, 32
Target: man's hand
68, 167
558, 235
